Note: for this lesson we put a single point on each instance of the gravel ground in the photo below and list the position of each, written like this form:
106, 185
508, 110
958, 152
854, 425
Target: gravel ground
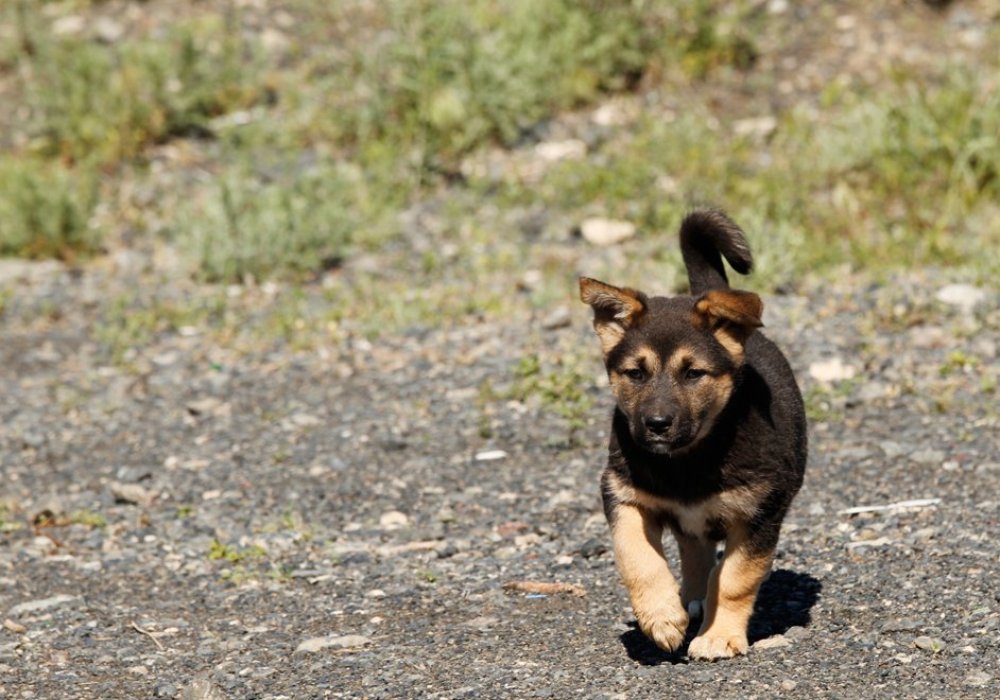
206, 523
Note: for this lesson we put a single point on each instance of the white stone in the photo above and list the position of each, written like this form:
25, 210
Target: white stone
774, 642
70, 24
613, 113
832, 370
108, 30
964, 296
755, 126
561, 150
393, 520
305, 420
606, 232
490, 455
132, 493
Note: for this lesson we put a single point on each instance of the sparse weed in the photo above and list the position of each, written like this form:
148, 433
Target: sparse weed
957, 362
129, 324
108, 102
88, 518
561, 388
7, 523
233, 554
5, 296
827, 403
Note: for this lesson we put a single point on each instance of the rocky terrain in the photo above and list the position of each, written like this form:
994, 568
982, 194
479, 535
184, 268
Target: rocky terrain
349, 523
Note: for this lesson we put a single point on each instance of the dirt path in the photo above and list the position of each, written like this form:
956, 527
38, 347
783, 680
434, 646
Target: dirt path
315, 524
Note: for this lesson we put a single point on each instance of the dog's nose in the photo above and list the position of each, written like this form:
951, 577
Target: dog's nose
658, 424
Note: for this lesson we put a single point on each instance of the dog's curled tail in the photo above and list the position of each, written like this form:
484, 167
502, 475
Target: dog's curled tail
704, 235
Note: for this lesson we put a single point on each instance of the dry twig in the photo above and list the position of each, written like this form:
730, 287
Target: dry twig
545, 588
149, 634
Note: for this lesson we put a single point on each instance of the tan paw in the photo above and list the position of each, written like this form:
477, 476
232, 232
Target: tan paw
667, 629
708, 648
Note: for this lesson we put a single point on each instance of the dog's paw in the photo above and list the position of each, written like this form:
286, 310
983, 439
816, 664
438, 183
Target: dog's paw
709, 648
667, 630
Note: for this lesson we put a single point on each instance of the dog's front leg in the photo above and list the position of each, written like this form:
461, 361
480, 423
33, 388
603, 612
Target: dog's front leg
697, 562
655, 596
732, 590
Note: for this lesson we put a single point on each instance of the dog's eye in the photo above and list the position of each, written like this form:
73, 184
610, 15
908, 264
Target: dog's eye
693, 374
635, 374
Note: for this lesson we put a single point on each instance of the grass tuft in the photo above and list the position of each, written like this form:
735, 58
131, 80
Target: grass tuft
45, 210
245, 227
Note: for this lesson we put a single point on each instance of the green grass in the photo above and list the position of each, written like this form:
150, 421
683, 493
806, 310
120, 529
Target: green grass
397, 91
905, 177
45, 210
241, 227
437, 78
108, 103
352, 134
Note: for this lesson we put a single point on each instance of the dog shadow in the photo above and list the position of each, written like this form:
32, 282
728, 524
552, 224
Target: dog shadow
784, 601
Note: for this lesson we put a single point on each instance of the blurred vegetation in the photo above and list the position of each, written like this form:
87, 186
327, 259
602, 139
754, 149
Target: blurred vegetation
280, 142
397, 91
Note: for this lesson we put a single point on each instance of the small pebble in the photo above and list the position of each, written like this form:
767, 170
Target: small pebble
775, 642
202, 689
928, 644
832, 370
561, 150
132, 493
350, 641
978, 679
15, 627
393, 520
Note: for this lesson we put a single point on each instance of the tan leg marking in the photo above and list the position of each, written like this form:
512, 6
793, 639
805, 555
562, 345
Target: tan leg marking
697, 562
651, 587
732, 589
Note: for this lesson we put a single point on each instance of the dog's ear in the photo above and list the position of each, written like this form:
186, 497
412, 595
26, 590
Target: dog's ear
615, 310
731, 316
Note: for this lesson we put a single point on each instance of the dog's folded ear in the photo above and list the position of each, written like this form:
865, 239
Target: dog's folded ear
731, 316
615, 310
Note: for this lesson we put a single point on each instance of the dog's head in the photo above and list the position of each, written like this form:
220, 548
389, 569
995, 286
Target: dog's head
672, 362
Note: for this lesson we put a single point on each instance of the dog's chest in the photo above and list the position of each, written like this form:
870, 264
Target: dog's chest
703, 520
709, 518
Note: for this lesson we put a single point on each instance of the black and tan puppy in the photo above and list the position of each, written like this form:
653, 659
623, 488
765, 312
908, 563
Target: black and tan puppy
708, 438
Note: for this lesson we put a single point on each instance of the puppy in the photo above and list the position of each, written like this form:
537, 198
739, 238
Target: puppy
708, 439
